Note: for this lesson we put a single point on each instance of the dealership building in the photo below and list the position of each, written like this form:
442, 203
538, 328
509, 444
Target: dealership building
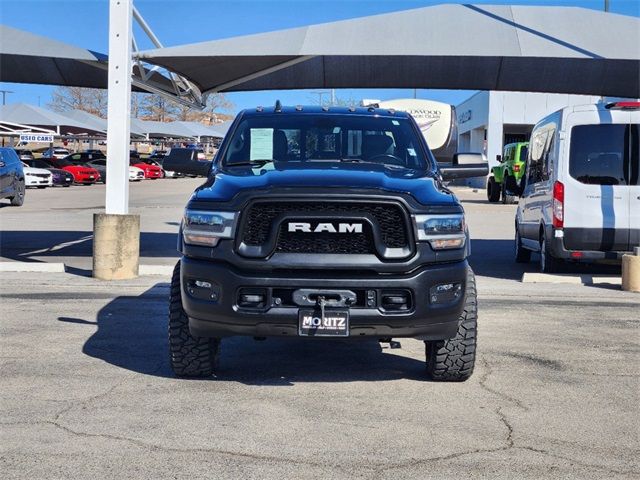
489, 120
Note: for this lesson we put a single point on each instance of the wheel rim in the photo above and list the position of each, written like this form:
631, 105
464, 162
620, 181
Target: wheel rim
20, 191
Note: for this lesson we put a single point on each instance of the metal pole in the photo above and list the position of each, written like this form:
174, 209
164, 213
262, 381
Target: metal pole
606, 5
119, 106
4, 93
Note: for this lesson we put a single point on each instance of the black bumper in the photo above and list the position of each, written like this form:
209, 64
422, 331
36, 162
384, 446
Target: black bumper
216, 313
589, 245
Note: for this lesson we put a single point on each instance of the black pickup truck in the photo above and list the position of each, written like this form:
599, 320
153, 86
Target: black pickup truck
326, 222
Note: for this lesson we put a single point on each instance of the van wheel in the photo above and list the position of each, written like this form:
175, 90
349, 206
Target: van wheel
522, 254
18, 199
507, 199
453, 360
189, 356
548, 263
493, 190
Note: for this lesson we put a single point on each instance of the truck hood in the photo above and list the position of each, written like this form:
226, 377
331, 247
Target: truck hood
419, 184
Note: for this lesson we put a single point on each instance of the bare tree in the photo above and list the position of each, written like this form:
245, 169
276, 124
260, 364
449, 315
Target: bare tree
90, 100
217, 105
156, 107
136, 104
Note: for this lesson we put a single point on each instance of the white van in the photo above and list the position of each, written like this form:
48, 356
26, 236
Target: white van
580, 196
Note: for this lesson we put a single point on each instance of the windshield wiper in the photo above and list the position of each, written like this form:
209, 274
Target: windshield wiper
259, 162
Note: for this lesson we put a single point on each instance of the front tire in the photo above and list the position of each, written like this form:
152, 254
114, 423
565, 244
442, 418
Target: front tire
18, 199
189, 356
493, 190
453, 360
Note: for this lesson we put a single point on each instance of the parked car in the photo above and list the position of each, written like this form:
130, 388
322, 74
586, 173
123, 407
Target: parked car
81, 173
56, 153
135, 174
94, 151
350, 233
156, 154
511, 164
85, 157
24, 154
580, 195
157, 157
185, 161
12, 182
59, 177
151, 171
36, 177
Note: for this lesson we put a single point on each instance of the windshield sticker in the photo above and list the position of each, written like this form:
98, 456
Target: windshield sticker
261, 144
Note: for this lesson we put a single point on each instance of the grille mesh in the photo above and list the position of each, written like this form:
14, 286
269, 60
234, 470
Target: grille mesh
389, 218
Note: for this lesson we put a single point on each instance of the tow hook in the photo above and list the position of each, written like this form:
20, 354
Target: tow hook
392, 343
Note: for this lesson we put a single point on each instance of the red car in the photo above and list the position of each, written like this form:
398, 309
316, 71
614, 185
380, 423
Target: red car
81, 173
150, 170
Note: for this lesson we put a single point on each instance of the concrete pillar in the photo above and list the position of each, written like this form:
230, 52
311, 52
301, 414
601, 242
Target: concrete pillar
631, 271
116, 246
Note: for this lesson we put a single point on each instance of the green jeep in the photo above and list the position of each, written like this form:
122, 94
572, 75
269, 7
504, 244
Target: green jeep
507, 173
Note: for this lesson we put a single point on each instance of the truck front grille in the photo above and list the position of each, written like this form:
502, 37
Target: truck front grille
389, 219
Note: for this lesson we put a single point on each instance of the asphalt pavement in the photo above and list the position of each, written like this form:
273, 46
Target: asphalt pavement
87, 391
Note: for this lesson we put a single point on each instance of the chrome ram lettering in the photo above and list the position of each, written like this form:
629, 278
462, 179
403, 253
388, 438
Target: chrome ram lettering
325, 227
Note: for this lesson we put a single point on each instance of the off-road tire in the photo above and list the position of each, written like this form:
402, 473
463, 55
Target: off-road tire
522, 254
18, 199
453, 360
507, 199
548, 263
189, 356
493, 190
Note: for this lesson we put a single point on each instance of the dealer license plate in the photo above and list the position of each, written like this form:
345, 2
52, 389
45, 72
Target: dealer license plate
334, 323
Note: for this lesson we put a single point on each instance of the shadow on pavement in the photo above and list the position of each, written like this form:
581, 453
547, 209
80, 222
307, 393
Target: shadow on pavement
132, 334
24, 245
495, 258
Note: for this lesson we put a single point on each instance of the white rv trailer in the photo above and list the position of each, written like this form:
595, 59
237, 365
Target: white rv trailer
436, 120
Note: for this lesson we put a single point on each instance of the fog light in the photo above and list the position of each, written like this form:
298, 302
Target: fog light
252, 298
445, 293
203, 290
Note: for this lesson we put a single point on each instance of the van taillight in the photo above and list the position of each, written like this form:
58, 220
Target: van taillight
558, 205
516, 168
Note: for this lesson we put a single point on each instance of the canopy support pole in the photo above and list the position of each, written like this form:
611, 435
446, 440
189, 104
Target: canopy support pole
116, 240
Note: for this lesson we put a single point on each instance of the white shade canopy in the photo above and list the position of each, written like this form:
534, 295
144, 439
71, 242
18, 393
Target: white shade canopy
486, 47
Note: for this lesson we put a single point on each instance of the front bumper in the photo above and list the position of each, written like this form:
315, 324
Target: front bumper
222, 316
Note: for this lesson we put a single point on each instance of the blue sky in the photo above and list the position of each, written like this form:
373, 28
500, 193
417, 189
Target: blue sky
85, 23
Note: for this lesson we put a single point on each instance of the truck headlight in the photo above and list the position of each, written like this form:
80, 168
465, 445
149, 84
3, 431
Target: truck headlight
441, 231
207, 228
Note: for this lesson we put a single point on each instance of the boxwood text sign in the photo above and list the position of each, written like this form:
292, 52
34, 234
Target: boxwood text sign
36, 138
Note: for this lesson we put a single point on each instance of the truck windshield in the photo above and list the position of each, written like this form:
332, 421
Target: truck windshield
308, 138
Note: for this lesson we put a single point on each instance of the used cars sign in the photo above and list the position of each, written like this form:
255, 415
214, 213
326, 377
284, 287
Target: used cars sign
36, 138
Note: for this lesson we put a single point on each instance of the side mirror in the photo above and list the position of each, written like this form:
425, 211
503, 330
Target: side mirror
499, 158
465, 165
